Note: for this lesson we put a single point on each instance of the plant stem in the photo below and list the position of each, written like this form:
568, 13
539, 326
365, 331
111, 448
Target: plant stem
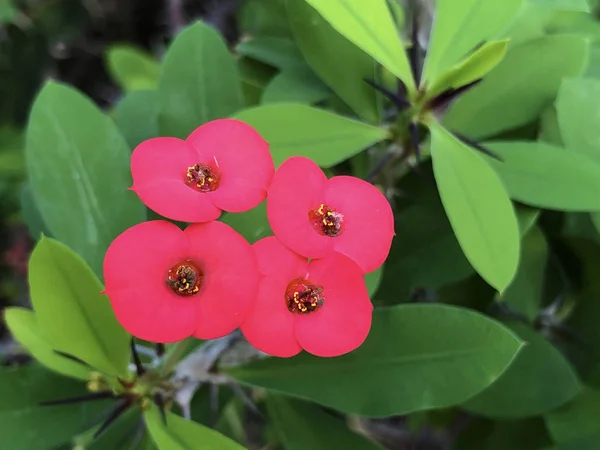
174, 355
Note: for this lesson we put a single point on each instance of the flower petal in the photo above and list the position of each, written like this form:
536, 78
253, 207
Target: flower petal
143, 254
242, 156
168, 199
270, 327
276, 260
297, 188
343, 322
230, 278
135, 269
154, 314
158, 168
368, 221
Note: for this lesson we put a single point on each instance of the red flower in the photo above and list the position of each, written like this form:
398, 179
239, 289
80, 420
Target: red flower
166, 284
223, 165
321, 306
315, 216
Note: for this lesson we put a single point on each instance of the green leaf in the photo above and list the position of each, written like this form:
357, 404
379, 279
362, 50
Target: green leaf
474, 67
583, 317
527, 218
593, 67
564, 5
300, 85
529, 172
578, 225
573, 22
182, 434
461, 25
595, 218
132, 68
25, 425
340, 64
577, 420
136, 115
536, 16
115, 436
525, 389
549, 128
524, 294
12, 165
370, 27
254, 77
425, 252
578, 117
232, 421
373, 280
483, 434
264, 18
302, 426
278, 52
253, 224
23, 325
520, 87
31, 214
584, 443
479, 210
7, 11
70, 310
300, 130
397, 370
78, 165
199, 82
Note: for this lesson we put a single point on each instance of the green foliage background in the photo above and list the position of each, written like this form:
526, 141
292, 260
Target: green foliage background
485, 333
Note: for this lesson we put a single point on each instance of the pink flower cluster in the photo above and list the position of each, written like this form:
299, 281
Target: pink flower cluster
300, 289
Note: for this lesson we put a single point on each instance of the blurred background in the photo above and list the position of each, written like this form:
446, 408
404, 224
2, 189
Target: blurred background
68, 40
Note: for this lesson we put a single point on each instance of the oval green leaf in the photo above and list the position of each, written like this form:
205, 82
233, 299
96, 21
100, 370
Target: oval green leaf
524, 294
70, 310
370, 26
199, 82
253, 224
520, 87
397, 370
78, 166
340, 64
474, 67
477, 205
576, 422
373, 280
25, 425
278, 52
30, 214
525, 389
578, 116
302, 426
132, 68
300, 85
549, 177
182, 434
23, 325
484, 434
425, 252
136, 115
300, 130
459, 26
